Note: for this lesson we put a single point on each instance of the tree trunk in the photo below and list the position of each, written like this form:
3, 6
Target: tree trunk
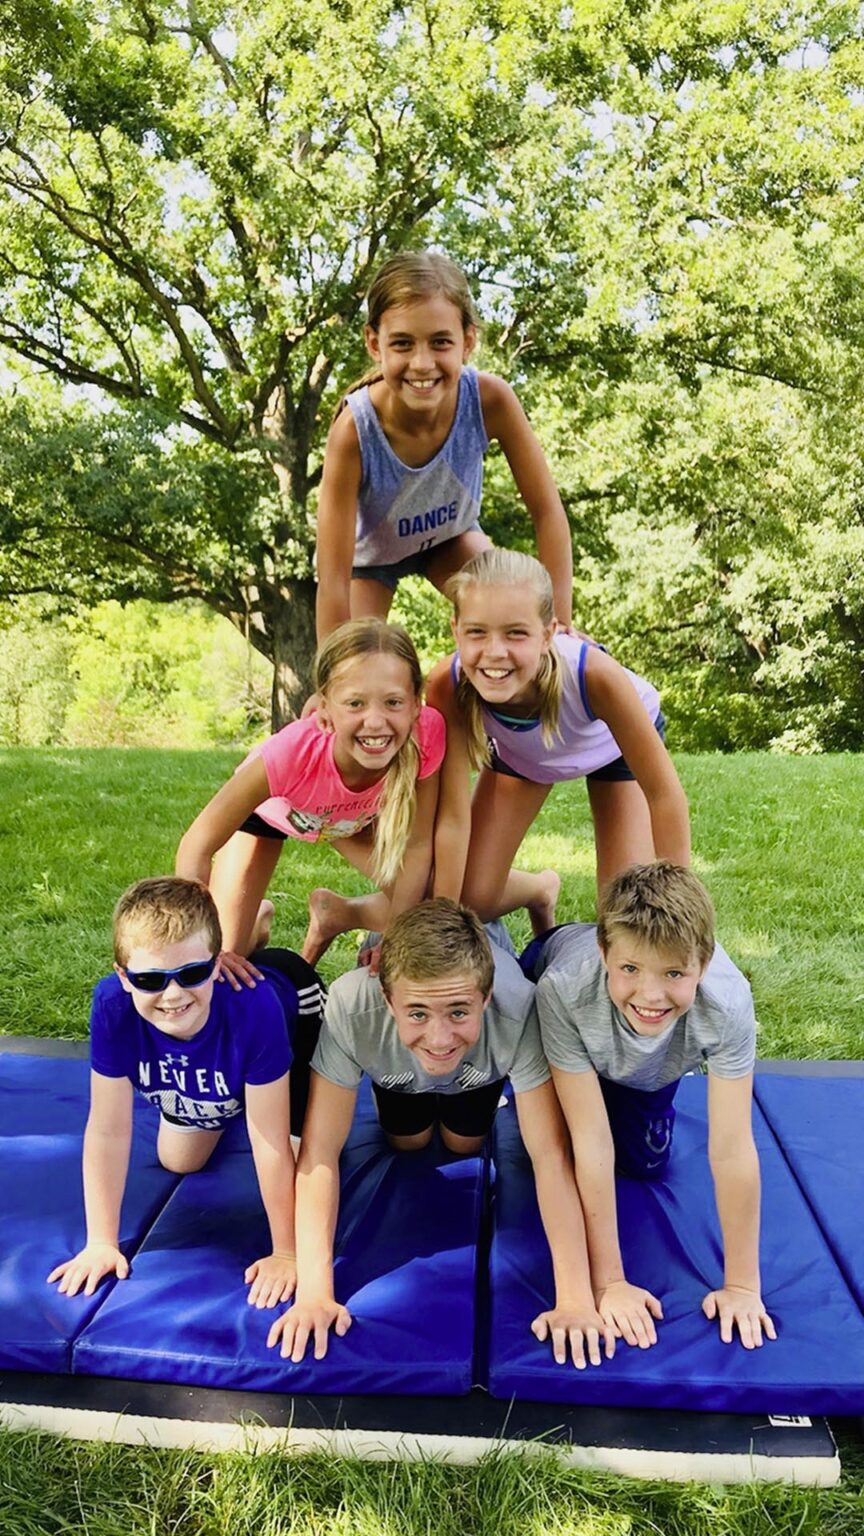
292, 626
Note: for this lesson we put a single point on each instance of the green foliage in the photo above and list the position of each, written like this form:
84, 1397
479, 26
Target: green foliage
658, 205
140, 675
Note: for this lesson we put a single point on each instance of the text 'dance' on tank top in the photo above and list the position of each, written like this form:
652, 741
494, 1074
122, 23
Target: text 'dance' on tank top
403, 510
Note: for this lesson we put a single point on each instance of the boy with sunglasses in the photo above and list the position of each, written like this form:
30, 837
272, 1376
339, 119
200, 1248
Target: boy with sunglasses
202, 1054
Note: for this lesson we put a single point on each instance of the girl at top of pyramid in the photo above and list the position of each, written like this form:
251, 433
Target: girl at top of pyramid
403, 468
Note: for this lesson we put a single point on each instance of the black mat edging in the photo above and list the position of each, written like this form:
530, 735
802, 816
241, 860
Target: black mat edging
476, 1415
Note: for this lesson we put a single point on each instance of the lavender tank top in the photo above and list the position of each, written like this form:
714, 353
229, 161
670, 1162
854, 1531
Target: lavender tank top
584, 744
401, 510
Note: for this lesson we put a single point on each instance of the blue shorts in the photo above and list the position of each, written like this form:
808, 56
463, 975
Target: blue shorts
413, 565
616, 772
641, 1123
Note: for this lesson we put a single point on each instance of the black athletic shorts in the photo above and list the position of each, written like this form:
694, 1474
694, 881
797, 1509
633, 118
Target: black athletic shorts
465, 1114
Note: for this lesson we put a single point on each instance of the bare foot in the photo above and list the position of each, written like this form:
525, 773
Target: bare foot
329, 915
541, 910
263, 923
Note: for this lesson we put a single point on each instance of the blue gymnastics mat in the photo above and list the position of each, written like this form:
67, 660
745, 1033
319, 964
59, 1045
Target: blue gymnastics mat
817, 1116
406, 1249
671, 1244
407, 1246
43, 1110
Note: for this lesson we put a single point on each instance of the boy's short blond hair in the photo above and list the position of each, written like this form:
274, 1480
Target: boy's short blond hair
163, 911
661, 905
434, 939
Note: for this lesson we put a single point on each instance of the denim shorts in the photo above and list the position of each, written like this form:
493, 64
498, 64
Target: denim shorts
413, 565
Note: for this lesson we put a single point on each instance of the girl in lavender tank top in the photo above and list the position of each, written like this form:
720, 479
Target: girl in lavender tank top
403, 468
530, 708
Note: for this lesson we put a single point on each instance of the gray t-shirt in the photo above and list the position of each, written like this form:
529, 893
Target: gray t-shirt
359, 1035
581, 1028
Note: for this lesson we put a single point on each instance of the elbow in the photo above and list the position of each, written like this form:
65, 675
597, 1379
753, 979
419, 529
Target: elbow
737, 1156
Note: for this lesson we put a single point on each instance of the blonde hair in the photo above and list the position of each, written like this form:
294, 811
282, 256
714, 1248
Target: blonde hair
434, 939
509, 568
405, 279
369, 637
162, 911
661, 905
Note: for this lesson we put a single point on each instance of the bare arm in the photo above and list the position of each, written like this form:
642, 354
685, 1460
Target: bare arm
315, 1309
268, 1118
220, 819
506, 421
412, 881
574, 1317
337, 522
107, 1140
614, 699
735, 1170
629, 1307
453, 821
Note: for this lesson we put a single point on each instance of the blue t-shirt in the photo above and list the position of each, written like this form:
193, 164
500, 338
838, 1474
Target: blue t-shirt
200, 1081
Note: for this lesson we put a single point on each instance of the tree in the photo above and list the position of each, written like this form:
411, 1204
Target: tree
649, 195
194, 197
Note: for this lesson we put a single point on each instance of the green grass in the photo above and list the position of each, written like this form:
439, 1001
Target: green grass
48, 1486
780, 842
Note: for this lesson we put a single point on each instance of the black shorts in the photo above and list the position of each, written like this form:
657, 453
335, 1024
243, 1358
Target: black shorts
258, 827
304, 997
616, 772
465, 1114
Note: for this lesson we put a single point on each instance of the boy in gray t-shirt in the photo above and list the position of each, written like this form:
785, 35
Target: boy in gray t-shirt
437, 1031
625, 1010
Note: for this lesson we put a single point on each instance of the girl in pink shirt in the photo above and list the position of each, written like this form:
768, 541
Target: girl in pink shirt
361, 773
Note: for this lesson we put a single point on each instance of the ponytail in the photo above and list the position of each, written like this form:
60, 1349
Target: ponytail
396, 812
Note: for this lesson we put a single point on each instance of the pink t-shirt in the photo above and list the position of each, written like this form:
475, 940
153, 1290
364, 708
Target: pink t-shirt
308, 797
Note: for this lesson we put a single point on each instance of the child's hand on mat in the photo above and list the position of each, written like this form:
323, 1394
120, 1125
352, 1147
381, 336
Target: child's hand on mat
271, 1280
305, 1320
89, 1267
237, 970
631, 1311
732, 1304
581, 1327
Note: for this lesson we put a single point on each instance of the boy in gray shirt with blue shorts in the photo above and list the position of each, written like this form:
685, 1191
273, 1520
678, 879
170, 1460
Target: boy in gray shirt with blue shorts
437, 1031
625, 1010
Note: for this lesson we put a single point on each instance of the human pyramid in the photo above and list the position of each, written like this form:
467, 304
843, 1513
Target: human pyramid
595, 1025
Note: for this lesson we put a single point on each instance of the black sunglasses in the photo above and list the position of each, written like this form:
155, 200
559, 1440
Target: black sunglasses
192, 975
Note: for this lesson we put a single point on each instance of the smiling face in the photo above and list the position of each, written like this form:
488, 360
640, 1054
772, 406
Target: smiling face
650, 987
501, 639
438, 1020
370, 706
177, 1011
420, 349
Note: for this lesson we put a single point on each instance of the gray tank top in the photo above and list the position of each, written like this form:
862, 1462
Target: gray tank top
401, 510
